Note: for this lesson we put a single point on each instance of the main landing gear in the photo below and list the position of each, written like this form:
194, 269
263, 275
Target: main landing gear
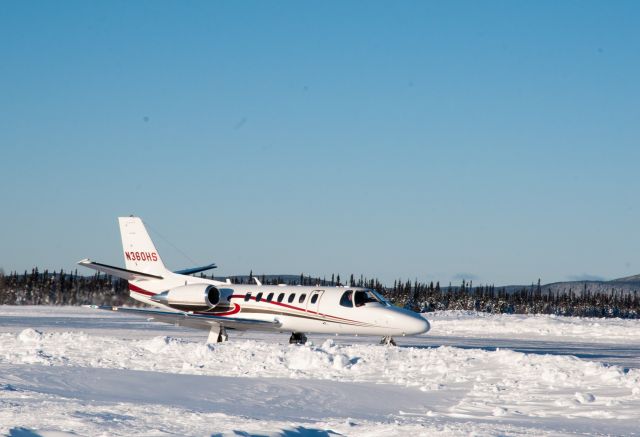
388, 340
297, 338
217, 334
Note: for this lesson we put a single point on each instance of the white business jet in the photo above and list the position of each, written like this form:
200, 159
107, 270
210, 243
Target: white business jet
185, 300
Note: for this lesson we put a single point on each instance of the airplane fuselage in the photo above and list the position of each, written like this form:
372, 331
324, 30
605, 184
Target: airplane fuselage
317, 309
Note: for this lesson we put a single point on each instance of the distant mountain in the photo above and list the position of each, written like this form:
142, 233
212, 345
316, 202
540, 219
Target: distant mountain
593, 287
635, 279
629, 284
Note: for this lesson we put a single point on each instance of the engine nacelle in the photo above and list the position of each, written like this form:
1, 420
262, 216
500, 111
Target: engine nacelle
192, 295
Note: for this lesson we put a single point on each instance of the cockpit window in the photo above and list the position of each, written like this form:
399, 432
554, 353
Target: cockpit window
347, 300
362, 297
380, 298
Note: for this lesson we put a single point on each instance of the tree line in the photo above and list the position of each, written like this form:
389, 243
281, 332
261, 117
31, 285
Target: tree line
62, 288
69, 288
423, 297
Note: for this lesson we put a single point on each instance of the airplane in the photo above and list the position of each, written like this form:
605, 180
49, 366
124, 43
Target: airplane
195, 302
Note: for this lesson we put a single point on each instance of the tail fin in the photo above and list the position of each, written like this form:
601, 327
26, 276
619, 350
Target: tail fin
140, 254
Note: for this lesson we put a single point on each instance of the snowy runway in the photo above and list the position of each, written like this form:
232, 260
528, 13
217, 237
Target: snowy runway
95, 373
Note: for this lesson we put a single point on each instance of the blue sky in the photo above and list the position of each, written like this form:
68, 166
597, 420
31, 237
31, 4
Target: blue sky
495, 141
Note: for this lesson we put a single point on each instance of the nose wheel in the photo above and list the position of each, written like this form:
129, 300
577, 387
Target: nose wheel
297, 338
388, 340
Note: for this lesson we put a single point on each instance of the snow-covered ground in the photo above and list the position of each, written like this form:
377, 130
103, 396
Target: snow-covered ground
68, 371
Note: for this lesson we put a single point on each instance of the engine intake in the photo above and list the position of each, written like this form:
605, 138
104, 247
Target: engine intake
192, 295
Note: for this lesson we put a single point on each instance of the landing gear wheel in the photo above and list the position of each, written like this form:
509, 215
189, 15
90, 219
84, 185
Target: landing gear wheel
217, 335
388, 340
222, 335
297, 338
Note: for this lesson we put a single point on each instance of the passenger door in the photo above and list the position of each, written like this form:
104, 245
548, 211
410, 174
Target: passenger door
313, 303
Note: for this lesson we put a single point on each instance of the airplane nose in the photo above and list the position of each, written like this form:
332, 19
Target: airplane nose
416, 324
407, 322
421, 325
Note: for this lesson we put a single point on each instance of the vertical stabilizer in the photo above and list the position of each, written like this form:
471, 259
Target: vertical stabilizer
140, 254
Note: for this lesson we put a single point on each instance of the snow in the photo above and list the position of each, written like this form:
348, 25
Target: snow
74, 371
484, 325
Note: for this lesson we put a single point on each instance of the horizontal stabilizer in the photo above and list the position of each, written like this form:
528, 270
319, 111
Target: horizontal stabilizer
198, 321
193, 270
129, 275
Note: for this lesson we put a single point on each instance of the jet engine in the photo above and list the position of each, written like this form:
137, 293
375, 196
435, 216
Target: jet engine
192, 295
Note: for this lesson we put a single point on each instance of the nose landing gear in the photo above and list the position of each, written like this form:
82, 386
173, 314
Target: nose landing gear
388, 340
297, 338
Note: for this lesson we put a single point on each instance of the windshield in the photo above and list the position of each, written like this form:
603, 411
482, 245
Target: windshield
362, 297
380, 298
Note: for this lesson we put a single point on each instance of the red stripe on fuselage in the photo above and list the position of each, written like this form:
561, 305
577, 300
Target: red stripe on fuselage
240, 296
235, 310
140, 290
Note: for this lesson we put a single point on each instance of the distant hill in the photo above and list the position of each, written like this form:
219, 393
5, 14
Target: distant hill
602, 287
635, 279
627, 285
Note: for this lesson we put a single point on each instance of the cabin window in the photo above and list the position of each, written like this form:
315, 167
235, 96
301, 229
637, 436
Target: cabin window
247, 297
302, 298
258, 297
346, 300
291, 297
270, 297
314, 298
280, 297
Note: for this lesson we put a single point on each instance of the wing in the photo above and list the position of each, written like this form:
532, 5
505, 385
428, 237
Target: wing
197, 321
